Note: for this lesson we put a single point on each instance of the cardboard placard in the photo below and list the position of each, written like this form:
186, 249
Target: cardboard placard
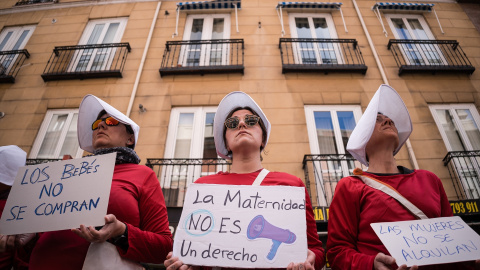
59, 195
429, 241
242, 226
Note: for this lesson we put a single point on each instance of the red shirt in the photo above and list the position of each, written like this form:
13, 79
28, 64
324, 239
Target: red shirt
135, 199
276, 179
352, 243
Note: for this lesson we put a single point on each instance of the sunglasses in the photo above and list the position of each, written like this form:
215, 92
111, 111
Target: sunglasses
250, 121
110, 121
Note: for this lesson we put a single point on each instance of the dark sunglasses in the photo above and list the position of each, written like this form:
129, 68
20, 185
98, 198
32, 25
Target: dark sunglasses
250, 121
110, 121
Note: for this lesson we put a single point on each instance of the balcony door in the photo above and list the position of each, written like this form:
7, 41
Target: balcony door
206, 27
458, 124
98, 32
313, 26
190, 136
329, 128
13, 38
57, 136
414, 27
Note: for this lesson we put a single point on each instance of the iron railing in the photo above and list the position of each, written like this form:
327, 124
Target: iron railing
86, 61
203, 57
464, 169
321, 55
10, 64
35, 161
429, 56
30, 2
176, 174
322, 173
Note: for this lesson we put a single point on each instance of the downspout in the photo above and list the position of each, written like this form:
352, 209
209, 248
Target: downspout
411, 154
142, 62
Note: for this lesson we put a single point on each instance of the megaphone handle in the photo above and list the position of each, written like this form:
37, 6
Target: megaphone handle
273, 250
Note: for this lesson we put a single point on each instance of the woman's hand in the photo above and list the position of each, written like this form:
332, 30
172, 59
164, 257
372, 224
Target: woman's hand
113, 227
173, 263
384, 262
10, 242
307, 265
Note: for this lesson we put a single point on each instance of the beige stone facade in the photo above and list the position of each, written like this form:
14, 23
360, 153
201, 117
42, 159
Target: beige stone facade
282, 96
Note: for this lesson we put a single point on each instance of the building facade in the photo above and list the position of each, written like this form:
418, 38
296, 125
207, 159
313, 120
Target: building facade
311, 66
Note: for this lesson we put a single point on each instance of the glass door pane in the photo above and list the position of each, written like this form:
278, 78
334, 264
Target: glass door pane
306, 50
327, 52
86, 55
217, 51
451, 131
70, 144
470, 127
430, 51
184, 136
193, 52
409, 50
102, 55
52, 136
325, 133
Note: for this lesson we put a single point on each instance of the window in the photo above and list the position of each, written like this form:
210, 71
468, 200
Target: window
329, 128
13, 38
206, 27
57, 136
190, 145
458, 125
314, 26
98, 32
414, 27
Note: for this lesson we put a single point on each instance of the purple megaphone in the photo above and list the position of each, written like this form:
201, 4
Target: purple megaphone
259, 227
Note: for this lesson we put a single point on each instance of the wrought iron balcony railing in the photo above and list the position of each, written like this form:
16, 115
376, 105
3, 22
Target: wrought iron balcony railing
176, 174
203, 57
322, 173
321, 55
464, 169
86, 61
30, 2
35, 161
10, 64
429, 56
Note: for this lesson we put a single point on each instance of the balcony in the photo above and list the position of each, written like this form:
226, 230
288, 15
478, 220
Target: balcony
30, 2
176, 174
433, 56
464, 169
86, 61
10, 64
322, 173
203, 57
321, 55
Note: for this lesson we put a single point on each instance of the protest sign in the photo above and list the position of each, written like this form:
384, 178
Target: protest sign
242, 226
429, 241
59, 195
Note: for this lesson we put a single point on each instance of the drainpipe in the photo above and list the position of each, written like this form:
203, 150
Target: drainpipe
411, 154
142, 62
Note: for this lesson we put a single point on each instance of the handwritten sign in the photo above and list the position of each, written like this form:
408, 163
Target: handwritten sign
429, 241
59, 195
242, 226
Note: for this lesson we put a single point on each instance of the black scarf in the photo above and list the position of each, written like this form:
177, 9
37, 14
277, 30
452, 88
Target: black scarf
124, 154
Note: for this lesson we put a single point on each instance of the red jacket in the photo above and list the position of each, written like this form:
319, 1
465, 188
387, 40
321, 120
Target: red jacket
352, 243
